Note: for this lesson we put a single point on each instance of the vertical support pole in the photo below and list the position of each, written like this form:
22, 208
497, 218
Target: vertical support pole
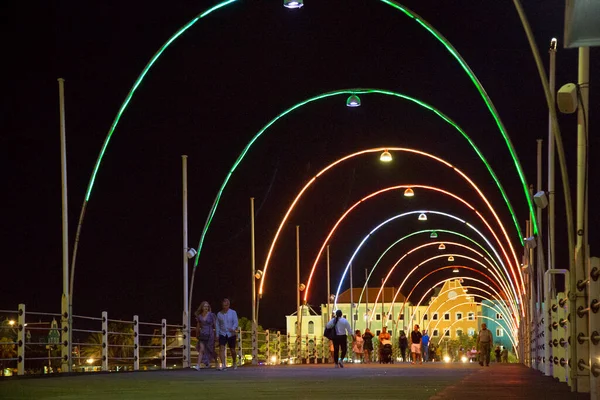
65, 303
351, 300
21, 341
268, 351
328, 316
368, 319
136, 343
253, 262
186, 305
298, 321
383, 316
581, 325
163, 351
278, 348
289, 345
104, 341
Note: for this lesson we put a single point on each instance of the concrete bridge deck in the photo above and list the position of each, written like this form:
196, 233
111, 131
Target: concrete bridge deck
434, 381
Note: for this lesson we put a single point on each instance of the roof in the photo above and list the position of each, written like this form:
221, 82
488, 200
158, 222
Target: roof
387, 295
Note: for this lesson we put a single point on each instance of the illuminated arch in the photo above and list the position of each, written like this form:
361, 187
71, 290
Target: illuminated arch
495, 282
381, 191
498, 277
437, 35
417, 233
409, 213
495, 294
516, 273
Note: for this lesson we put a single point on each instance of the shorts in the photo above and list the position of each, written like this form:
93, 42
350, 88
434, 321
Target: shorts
415, 348
227, 340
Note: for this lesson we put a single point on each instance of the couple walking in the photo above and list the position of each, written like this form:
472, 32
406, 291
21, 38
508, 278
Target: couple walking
223, 326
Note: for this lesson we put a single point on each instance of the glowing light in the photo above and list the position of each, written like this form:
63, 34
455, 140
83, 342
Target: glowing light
433, 235
293, 3
455, 271
442, 246
89, 361
464, 359
385, 156
447, 359
12, 322
273, 359
451, 258
422, 217
409, 193
353, 101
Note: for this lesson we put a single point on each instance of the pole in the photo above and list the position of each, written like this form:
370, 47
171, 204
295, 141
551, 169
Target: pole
298, 327
66, 306
548, 366
539, 271
253, 262
328, 288
382, 305
581, 352
367, 306
351, 301
186, 305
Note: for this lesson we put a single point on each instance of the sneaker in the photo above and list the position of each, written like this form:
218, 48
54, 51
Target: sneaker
412, 362
341, 364
336, 365
235, 366
196, 367
220, 368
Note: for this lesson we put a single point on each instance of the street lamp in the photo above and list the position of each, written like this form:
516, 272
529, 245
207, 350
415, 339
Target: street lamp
455, 271
451, 258
409, 193
442, 246
433, 235
422, 217
293, 3
385, 156
353, 101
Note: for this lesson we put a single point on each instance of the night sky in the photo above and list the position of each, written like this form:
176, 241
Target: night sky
210, 93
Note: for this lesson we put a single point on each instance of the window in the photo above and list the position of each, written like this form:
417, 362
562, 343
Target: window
378, 318
459, 316
344, 316
401, 316
471, 316
447, 332
459, 332
356, 317
435, 316
471, 331
311, 328
499, 332
424, 317
498, 316
390, 317
436, 333
377, 332
447, 316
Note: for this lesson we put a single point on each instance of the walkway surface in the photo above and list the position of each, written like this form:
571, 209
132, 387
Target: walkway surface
435, 381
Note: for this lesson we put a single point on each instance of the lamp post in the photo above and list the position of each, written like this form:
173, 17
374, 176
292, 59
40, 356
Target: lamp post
187, 254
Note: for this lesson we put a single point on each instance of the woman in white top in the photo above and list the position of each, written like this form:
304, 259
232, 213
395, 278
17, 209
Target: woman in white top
340, 340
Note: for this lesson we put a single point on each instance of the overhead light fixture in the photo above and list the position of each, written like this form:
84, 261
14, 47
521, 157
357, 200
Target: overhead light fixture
258, 274
409, 193
191, 252
451, 258
540, 199
422, 217
302, 287
455, 271
433, 235
442, 246
353, 101
385, 156
293, 3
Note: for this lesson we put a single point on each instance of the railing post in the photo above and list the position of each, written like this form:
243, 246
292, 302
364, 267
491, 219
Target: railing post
323, 360
268, 352
278, 349
307, 350
21, 341
289, 345
65, 329
163, 347
240, 352
254, 344
104, 341
136, 343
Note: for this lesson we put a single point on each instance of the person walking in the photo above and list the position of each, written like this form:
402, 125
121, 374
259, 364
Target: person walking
425, 346
358, 346
504, 354
205, 330
227, 325
484, 343
403, 343
340, 341
368, 344
415, 346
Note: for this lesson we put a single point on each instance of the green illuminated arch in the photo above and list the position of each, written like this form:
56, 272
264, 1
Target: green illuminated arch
184, 28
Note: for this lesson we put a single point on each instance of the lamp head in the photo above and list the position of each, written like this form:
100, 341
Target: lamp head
386, 156
191, 252
422, 217
442, 246
258, 274
540, 199
409, 193
530, 242
451, 258
433, 235
293, 3
353, 101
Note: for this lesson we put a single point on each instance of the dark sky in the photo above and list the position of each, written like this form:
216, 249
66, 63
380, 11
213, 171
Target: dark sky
209, 94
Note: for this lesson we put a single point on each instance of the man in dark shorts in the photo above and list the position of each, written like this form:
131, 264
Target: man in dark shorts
227, 325
415, 347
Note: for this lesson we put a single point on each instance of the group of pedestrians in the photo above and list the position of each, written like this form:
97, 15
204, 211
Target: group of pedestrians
209, 328
417, 349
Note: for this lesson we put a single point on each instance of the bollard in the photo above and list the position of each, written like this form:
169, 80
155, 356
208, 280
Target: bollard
268, 353
278, 348
21, 341
104, 341
163, 347
240, 350
136, 343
